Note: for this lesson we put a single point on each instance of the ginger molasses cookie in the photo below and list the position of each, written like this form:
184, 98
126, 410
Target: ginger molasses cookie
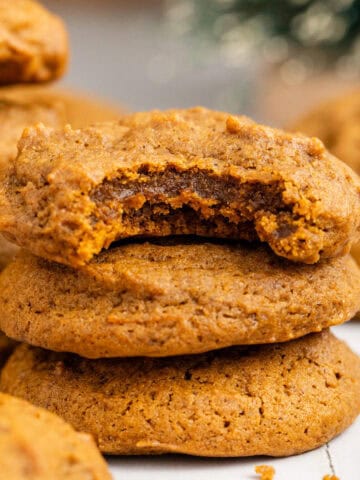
172, 297
23, 106
70, 193
274, 400
37, 444
34, 45
6, 347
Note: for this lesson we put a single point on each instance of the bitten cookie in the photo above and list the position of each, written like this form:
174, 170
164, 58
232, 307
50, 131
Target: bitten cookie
37, 444
71, 193
266, 400
172, 297
337, 123
34, 44
22, 106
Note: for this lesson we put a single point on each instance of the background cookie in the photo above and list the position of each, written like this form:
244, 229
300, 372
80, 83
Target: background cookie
34, 45
191, 171
37, 444
337, 124
24, 106
173, 296
270, 400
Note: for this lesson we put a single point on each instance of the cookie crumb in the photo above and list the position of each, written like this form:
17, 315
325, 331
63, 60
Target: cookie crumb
267, 472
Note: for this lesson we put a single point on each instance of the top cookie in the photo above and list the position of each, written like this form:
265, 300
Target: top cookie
34, 45
36, 444
70, 193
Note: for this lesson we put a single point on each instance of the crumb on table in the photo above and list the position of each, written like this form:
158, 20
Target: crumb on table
267, 472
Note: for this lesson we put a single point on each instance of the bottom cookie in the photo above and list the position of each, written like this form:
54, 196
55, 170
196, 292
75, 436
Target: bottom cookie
275, 400
35, 444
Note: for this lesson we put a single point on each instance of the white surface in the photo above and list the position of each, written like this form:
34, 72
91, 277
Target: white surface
340, 457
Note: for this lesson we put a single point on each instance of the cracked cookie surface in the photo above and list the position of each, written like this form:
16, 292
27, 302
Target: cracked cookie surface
173, 296
36, 444
34, 45
71, 193
265, 400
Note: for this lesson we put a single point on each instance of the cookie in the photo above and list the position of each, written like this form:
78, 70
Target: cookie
36, 444
173, 297
24, 106
337, 123
6, 347
70, 193
274, 400
34, 44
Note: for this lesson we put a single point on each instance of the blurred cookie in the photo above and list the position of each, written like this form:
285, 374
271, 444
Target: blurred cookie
23, 106
337, 124
173, 297
38, 445
274, 400
71, 193
34, 44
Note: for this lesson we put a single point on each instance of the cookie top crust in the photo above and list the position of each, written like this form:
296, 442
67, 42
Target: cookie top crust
232, 402
34, 44
37, 444
173, 296
70, 193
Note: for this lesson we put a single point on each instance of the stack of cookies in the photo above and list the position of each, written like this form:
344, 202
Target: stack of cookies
178, 276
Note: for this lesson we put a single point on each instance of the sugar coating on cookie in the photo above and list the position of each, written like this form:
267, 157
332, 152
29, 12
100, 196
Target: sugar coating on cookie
34, 44
71, 193
174, 296
274, 400
37, 444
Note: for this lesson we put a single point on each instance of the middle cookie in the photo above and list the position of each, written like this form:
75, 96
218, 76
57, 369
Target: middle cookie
172, 297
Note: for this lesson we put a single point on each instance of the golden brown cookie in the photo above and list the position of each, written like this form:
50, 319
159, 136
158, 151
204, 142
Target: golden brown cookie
71, 193
173, 297
24, 106
337, 124
6, 347
274, 400
34, 44
36, 444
